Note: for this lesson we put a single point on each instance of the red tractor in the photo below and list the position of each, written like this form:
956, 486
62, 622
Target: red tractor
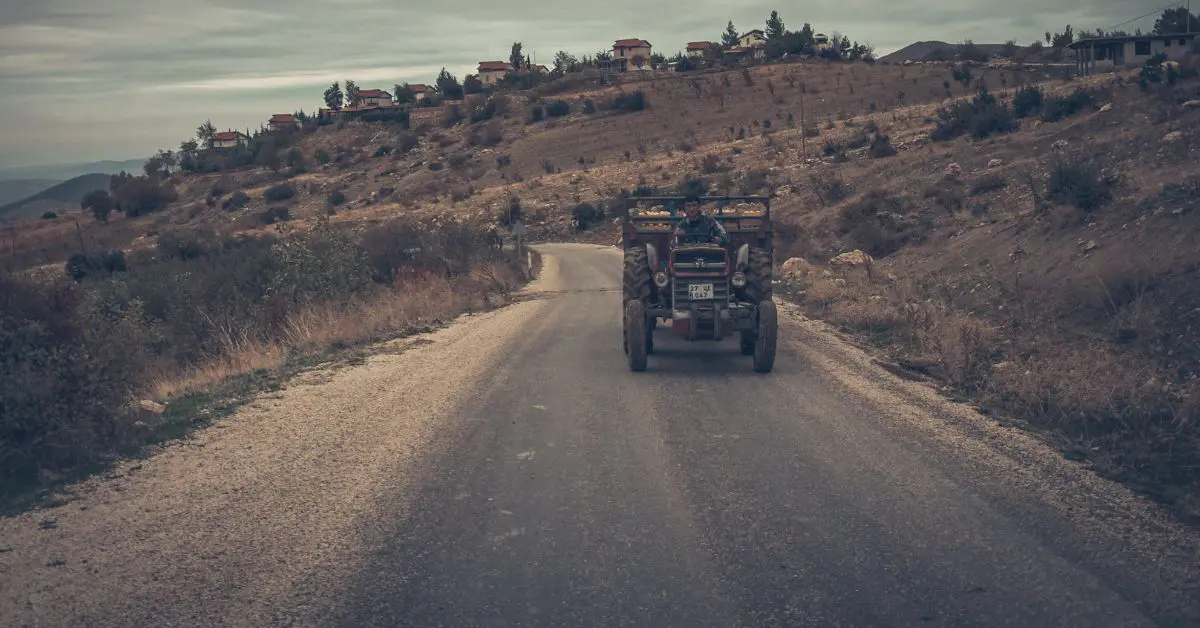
702, 290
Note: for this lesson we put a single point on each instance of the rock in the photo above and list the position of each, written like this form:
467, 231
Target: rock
1173, 136
1106, 107
839, 282
795, 267
1191, 104
1059, 145
851, 259
152, 407
953, 171
995, 163
1089, 245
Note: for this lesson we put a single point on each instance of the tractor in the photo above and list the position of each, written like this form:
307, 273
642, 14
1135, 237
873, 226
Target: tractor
701, 290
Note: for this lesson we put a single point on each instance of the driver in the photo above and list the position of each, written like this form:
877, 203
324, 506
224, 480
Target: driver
698, 224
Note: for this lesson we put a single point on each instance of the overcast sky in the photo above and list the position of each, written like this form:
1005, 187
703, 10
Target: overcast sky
84, 80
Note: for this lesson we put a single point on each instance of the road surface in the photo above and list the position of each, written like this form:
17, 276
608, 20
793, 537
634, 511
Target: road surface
511, 471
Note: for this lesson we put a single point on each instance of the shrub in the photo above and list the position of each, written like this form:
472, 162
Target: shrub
281, 192
711, 164
585, 215
881, 146
186, 244
1055, 108
49, 215
1077, 182
135, 196
628, 101
979, 118
406, 142
484, 112
272, 215
435, 166
383, 151
988, 183
336, 197
1027, 101
537, 114
322, 156
589, 107
83, 265
874, 224
237, 200
452, 115
548, 166
558, 108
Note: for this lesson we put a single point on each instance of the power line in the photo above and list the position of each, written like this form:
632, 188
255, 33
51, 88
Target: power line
1142, 17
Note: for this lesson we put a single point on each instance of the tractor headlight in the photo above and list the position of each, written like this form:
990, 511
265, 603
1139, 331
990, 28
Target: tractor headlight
660, 279
739, 280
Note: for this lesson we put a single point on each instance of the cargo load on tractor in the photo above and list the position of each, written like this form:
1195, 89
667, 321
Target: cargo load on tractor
700, 286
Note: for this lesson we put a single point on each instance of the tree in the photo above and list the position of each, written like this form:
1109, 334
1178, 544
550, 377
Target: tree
403, 93
516, 58
1009, 51
729, 38
1063, 39
637, 61
448, 86
352, 94
1176, 21
205, 132
99, 203
564, 62
333, 96
775, 29
472, 85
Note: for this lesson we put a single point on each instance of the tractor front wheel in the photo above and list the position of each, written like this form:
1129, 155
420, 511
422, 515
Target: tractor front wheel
749, 341
764, 346
636, 335
759, 273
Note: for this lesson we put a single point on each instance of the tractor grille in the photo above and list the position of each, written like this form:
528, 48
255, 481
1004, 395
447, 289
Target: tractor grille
720, 293
700, 260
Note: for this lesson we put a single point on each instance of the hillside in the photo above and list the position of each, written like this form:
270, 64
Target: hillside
922, 50
12, 190
62, 172
60, 197
1034, 262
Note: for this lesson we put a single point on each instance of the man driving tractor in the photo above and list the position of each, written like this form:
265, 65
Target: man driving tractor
697, 225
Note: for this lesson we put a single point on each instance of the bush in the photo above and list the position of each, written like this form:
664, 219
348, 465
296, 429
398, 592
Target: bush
881, 146
988, 183
1076, 182
281, 192
628, 101
186, 244
537, 114
1027, 101
874, 224
135, 196
322, 156
336, 197
979, 118
383, 151
237, 200
406, 142
83, 265
272, 215
558, 108
1055, 108
585, 215
49, 216
589, 107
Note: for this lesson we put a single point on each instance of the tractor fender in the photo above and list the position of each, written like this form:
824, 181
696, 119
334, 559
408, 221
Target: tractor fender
652, 257
743, 257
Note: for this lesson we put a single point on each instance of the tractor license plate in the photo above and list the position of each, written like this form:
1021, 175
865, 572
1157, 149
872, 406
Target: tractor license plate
700, 291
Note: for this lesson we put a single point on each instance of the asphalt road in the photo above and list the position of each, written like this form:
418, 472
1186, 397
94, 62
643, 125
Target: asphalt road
512, 471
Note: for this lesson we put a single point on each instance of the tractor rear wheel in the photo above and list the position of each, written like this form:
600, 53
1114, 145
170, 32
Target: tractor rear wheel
636, 335
635, 282
759, 274
764, 346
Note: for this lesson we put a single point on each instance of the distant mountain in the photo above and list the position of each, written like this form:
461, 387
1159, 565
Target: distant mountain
65, 195
923, 50
62, 172
17, 189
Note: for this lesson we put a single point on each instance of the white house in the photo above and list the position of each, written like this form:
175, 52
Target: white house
631, 54
491, 72
1105, 54
376, 97
229, 139
753, 39
283, 121
821, 42
696, 49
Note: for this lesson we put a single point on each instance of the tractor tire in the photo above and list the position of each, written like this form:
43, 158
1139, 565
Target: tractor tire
759, 274
636, 334
764, 346
748, 341
635, 281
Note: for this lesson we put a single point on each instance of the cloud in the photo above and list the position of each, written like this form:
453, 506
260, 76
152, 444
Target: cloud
89, 79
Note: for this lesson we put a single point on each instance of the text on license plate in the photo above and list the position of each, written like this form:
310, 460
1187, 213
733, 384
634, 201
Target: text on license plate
700, 291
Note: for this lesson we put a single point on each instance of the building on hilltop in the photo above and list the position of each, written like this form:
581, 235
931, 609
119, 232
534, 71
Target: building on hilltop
492, 72
631, 54
229, 139
753, 39
283, 121
696, 49
1106, 54
375, 97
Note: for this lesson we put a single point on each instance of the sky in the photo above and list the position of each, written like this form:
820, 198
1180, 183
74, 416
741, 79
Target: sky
84, 80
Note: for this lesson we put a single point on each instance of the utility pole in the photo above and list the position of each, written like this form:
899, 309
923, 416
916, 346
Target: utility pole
803, 126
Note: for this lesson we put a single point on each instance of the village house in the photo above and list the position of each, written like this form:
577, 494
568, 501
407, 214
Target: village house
753, 39
696, 49
374, 97
282, 122
492, 72
1105, 54
821, 42
229, 139
631, 54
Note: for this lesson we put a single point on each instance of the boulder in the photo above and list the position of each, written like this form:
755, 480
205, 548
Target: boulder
1173, 136
995, 163
851, 259
795, 267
